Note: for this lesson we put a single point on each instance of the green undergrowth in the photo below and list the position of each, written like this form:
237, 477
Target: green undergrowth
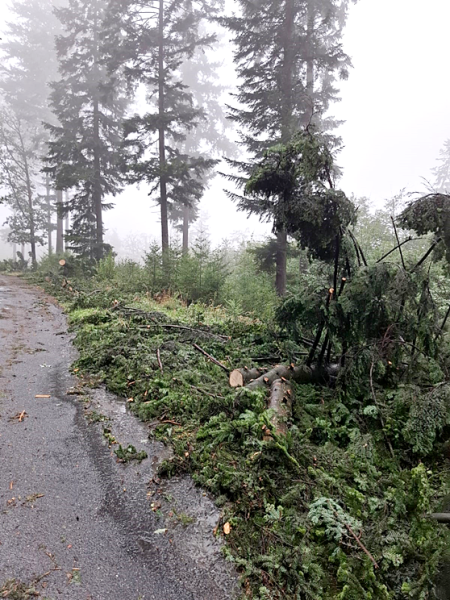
337, 509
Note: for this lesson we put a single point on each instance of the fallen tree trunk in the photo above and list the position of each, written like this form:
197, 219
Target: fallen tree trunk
240, 377
298, 374
281, 402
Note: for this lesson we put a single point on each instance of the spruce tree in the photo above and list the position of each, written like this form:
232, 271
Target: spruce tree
29, 64
19, 170
288, 57
201, 74
442, 171
30, 61
153, 40
84, 151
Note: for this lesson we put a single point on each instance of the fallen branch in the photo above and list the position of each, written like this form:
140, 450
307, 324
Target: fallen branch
158, 356
427, 254
374, 396
441, 517
399, 246
211, 358
197, 389
320, 329
185, 328
444, 322
356, 538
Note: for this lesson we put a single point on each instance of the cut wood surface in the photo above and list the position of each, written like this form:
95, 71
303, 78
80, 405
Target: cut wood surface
281, 402
239, 377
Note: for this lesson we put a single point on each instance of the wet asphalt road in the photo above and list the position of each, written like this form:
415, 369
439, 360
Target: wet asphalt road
71, 519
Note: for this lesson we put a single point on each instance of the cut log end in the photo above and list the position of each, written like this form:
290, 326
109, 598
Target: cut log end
240, 377
236, 379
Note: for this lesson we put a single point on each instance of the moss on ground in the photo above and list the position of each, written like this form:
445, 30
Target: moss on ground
327, 512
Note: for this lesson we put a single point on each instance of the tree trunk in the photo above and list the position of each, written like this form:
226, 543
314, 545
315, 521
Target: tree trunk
67, 220
29, 187
97, 189
240, 377
59, 223
185, 229
309, 109
281, 397
49, 214
287, 130
281, 260
287, 72
31, 214
162, 142
300, 374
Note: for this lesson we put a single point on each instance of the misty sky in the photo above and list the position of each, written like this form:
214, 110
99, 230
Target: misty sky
396, 105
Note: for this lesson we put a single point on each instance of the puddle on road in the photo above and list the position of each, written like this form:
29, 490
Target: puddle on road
4, 291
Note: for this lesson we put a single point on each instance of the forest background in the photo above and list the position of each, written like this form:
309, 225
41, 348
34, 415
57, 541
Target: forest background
331, 458
380, 85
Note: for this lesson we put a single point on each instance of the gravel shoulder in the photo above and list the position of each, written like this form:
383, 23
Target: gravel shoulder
73, 522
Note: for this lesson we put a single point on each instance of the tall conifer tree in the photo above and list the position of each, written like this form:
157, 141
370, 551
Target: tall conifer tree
288, 57
442, 171
201, 74
89, 106
154, 38
19, 174
29, 65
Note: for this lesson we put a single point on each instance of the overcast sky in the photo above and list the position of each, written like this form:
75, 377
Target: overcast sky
396, 105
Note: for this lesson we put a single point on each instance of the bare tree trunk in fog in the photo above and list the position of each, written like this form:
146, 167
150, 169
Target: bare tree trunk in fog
97, 190
59, 224
280, 259
49, 213
185, 229
67, 223
14, 251
310, 64
286, 131
162, 143
30, 202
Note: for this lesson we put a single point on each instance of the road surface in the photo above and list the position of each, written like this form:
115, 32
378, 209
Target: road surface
73, 522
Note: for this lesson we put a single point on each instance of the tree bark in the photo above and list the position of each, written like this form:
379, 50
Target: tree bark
185, 229
49, 214
287, 72
162, 143
287, 130
59, 224
281, 397
67, 220
240, 377
309, 109
97, 188
281, 261
299, 374
29, 187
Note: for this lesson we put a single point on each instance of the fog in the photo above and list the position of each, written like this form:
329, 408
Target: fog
395, 106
